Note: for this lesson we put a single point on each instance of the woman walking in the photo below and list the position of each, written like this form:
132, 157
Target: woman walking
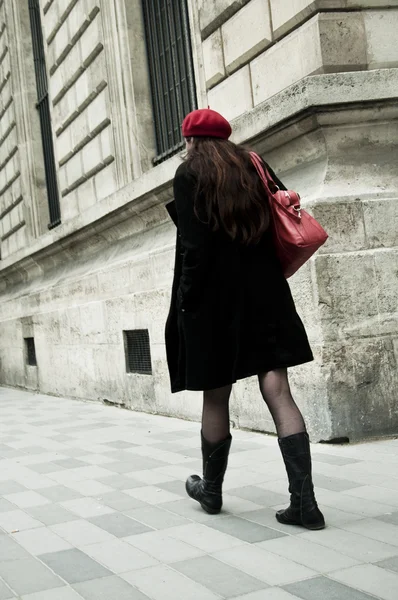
232, 315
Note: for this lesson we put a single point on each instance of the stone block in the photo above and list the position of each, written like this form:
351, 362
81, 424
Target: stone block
93, 324
246, 34
61, 40
327, 43
90, 39
343, 41
386, 269
82, 89
381, 27
106, 182
97, 110
213, 13
348, 295
300, 55
213, 59
64, 144
344, 223
360, 375
92, 155
86, 195
51, 18
69, 206
106, 142
380, 218
74, 168
232, 97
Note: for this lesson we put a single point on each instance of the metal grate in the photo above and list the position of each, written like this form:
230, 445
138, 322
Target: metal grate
30, 352
138, 351
171, 71
43, 107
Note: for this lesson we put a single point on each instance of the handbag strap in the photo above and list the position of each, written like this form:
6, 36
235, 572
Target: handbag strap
263, 173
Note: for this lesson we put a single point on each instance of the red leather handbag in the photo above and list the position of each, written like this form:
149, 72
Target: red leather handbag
297, 235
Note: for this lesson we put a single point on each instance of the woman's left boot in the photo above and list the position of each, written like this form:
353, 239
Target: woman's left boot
303, 509
208, 490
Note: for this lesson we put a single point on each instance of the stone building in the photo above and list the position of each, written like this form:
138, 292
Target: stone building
92, 94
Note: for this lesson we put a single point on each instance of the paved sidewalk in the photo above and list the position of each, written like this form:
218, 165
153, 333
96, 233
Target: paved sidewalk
92, 505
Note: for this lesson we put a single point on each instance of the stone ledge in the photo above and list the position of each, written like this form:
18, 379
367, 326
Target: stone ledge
320, 91
47, 6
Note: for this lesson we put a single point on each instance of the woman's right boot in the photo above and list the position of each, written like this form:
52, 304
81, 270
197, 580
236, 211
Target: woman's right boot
303, 509
208, 490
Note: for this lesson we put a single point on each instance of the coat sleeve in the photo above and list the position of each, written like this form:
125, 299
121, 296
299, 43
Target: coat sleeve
196, 240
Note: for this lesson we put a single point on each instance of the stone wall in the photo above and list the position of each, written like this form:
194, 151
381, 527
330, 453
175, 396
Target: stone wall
254, 49
12, 196
310, 85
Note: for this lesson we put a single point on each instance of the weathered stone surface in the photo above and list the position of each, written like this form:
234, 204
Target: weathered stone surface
246, 34
381, 27
213, 13
213, 59
327, 43
232, 97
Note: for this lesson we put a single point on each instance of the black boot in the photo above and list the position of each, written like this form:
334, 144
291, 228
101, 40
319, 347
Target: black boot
303, 509
208, 491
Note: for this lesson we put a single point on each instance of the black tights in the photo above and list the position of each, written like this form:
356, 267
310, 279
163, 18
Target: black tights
275, 389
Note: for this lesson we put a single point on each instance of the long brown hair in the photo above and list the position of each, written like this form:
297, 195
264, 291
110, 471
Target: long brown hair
229, 193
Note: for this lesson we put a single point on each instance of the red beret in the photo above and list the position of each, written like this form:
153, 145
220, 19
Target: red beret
206, 123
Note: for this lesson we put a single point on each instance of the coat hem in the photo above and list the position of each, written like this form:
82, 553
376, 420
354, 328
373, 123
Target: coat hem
189, 388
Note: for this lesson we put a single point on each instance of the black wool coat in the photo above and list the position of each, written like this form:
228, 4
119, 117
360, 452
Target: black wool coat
232, 314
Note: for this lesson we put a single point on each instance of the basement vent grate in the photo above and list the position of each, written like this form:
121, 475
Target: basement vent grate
138, 351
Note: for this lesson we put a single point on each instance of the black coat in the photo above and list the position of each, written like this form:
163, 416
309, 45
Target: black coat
232, 314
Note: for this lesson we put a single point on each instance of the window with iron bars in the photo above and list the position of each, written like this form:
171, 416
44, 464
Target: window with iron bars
43, 107
171, 71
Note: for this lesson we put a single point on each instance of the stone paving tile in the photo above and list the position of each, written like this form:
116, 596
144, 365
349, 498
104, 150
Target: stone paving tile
6, 506
59, 493
28, 575
10, 549
262, 565
119, 556
50, 514
272, 593
5, 592
390, 563
219, 577
164, 548
11, 487
370, 579
65, 593
156, 517
81, 533
322, 587
119, 525
40, 541
245, 530
26, 499
17, 520
351, 544
108, 588
309, 554
164, 583
375, 529
74, 566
